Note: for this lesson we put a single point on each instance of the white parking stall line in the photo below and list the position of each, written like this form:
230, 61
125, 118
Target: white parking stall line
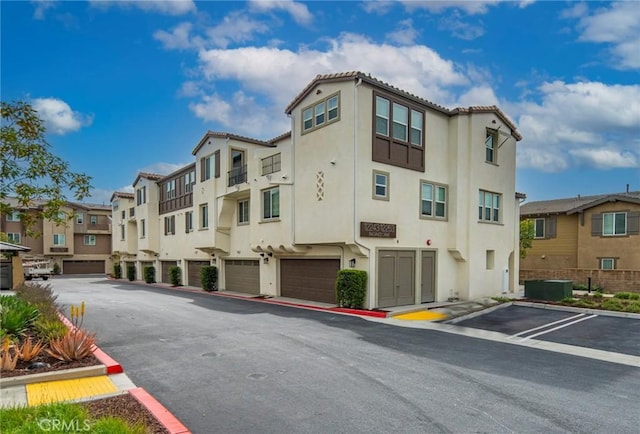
544, 326
559, 327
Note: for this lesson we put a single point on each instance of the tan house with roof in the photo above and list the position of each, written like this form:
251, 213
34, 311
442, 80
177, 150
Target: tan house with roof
586, 236
370, 177
81, 246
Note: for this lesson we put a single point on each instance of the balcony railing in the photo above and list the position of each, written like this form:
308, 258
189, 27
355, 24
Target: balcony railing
237, 175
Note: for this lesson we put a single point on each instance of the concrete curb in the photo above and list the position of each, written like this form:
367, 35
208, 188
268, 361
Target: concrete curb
64, 374
168, 420
613, 313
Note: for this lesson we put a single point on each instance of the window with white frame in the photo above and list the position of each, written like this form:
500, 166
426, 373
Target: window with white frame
204, 216
93, 219
382, 116
79, 218
614, 223
59, 240
89, 240
607, 263
400, 122
13, 216
189, 181
13, 237
271, 203
170, 189
489, 206
243, 211
271, 164
491, 146
188, 221
380, 185
321, 113
433, 200
538, 228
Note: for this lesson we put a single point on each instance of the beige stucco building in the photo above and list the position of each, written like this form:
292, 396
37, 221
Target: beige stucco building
370, 177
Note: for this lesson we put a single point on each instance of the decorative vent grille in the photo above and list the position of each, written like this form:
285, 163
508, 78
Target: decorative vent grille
320, 185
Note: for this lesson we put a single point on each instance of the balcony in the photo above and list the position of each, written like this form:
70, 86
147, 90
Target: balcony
237, 175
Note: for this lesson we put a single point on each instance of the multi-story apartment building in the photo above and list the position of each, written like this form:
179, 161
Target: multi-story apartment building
586, 236
370, 177
81, 246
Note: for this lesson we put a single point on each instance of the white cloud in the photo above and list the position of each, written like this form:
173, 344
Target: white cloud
41, 7
178, 38
379, 7
58, 116
165, 7
235, 27
406, 34
162, 168
460, 29
298, 11
478, 96
588, 123
618, 26
282, 73
475, 7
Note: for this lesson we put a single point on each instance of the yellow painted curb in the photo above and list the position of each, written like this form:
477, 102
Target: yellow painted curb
422, 315
66, 390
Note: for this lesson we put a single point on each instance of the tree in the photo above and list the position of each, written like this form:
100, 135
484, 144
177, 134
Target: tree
527, 233
30, 172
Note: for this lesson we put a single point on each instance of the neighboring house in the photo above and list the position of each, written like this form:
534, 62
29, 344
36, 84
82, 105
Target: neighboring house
370, 177
11, 271
586, 236
81, 246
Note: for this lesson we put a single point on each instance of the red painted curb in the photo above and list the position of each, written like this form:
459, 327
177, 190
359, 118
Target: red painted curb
168, 420
372, 313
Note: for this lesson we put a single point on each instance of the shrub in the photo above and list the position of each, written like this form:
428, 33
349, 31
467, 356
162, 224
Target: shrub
29, 350
16, 315
117, 271
49, 328
56, 268
627, 296
175, 276
74, 345
633, 307
131, 272
8, 355
41, 296
209, 278
612, 304
149, 274
351, 288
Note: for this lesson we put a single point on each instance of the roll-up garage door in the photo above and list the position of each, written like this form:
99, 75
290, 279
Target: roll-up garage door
242, 276
83, 267
309, 279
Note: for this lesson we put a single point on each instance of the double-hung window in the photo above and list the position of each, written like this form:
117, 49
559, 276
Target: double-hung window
58, 239
188, 221
189, 180
321, 113
170, 225
271, 203
539, 228
400, 122
243, 211
89, 240
489, 206
433, 200
13, 216
491, 146
614, 223
93, 219
171, 189
13, 237
204, 216
380, 185
79, 218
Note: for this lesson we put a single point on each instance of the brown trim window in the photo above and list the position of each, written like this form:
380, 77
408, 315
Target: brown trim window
170, 225
271, 164
188, 221
398, 133
189, 181
204, 216
321, 113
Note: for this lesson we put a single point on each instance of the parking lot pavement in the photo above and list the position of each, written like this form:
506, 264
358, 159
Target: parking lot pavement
589, 330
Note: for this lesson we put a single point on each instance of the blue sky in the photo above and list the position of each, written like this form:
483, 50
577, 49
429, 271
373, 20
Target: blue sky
130, 86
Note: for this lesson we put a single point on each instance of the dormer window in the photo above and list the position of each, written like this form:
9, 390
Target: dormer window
321, 113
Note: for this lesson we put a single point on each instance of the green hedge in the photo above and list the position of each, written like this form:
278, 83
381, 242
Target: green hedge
149, 274
351, 288
131, 272
209, 278
175, 276
117, 271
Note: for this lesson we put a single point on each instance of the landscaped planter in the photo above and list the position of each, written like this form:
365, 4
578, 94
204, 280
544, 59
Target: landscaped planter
554, 290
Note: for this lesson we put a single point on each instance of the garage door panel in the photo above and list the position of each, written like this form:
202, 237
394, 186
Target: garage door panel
166, 265
309, 279
242, 275
194, 268
83, 267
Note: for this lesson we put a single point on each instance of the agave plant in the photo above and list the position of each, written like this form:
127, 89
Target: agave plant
75, 345
8, 355
29, 350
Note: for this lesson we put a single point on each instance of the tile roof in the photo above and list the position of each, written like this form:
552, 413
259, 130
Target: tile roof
575, 204
121, 194
149, 176
222, 135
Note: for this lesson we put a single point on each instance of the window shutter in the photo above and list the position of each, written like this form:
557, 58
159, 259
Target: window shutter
633, 223
596, 225
550, 227
202, 169
217, 168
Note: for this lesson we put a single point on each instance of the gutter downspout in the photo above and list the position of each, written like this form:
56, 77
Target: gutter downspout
355, 190
293, 178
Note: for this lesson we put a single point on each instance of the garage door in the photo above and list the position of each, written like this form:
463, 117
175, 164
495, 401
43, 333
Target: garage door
194, 268
165, 270
309, 279
242, 276
83, 267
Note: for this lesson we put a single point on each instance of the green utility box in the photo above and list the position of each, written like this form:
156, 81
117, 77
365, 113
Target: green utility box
553, 290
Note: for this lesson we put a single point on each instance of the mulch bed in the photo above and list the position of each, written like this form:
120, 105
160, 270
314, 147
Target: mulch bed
55, 365
125, 407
